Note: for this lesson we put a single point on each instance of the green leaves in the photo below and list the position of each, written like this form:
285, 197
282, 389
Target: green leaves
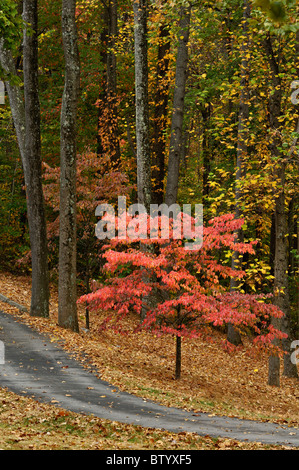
280, 15
276, 9
11, 23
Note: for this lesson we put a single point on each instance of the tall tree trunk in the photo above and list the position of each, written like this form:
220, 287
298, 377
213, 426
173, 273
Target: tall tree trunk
290, 369
233, 335
107, 138
281, 283
33, 176
141, 97
160, 117
26, 118
294, 244
67, 288
176, 140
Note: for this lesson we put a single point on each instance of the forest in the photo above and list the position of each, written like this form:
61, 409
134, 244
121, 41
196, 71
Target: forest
164, 103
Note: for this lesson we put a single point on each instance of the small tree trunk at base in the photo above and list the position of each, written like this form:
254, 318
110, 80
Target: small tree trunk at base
178, 361
274, 371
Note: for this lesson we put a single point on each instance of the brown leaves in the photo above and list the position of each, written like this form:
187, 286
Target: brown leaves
213, 381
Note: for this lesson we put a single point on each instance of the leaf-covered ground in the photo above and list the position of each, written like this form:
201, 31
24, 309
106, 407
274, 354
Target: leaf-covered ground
25, 425
212, 381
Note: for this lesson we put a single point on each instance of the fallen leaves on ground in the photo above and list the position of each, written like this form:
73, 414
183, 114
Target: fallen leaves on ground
26, 425
212, 380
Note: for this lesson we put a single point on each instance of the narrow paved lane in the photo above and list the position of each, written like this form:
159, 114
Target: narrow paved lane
36, 367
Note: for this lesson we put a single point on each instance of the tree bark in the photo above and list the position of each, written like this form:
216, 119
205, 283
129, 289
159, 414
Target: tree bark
26, 118
281, 283
32, 166
176, 140
178, 348
67, 287
178, 360
143, 149
279, 300
141, 103
16, 101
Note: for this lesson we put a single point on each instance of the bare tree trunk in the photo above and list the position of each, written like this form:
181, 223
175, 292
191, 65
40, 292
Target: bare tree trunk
281, 283
67, 311
142, 112
176, 140
274, 112
233, 335
143, 148
26, 120
178, 357
290, 369
16, 100
33, 173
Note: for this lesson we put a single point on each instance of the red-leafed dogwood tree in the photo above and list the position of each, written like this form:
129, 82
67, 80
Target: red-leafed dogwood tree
185, 292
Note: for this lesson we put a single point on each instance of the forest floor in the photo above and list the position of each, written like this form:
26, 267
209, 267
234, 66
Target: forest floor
213, 381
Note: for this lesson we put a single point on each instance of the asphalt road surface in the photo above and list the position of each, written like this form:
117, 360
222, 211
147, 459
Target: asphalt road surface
36, 367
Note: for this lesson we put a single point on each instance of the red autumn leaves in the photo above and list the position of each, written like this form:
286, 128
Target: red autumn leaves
182, 292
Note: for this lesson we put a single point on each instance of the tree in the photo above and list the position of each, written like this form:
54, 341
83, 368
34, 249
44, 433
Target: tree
26, 116
144, 190
9, 41
281, 282
67, 295
192, 296
175, 145
35, 204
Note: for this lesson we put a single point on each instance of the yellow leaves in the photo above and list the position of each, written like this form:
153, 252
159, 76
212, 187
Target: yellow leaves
278, 291
214, 184
258, 273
